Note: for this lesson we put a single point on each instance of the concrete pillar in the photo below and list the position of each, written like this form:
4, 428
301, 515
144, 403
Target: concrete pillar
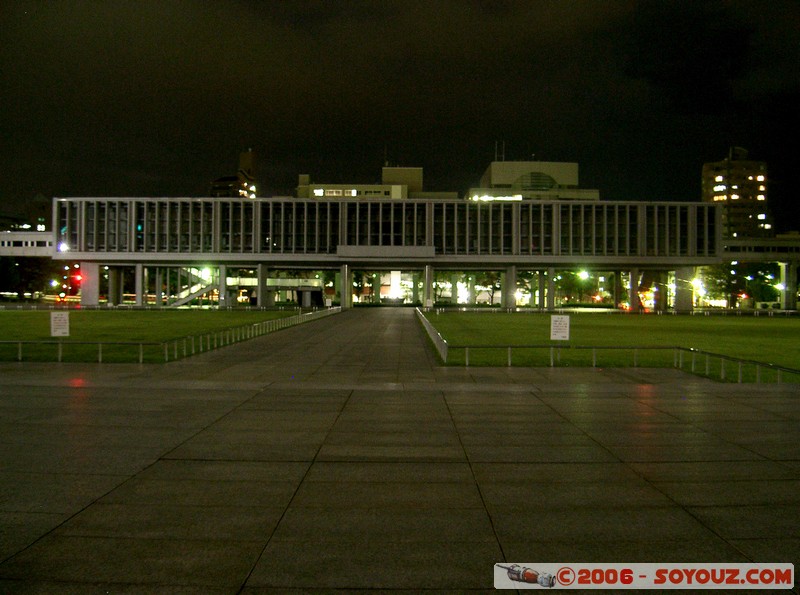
551, 289
540, 280
659, 292
684, 290
415, 287
427, 291
159, 287
90, 284
509, 288
167, 289
454, 289
789, 281
375, 285
633, 290
473, 297
114, 291
139, 283
346, 287
306, 299
261, 285
617, 290
223, 286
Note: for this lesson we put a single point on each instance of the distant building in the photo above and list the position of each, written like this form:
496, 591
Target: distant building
740, 184
531, 180
396, 183
243, 184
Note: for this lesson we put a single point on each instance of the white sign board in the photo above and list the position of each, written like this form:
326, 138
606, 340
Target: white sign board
559, 327
59, 324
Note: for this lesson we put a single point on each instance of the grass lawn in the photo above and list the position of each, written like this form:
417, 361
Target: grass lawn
149, 326
764, 339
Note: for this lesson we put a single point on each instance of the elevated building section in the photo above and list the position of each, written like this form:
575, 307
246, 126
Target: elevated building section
26, 243
400, 231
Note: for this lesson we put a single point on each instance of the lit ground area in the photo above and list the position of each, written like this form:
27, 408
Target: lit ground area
339, 455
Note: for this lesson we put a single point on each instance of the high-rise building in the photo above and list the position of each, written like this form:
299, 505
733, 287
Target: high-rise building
740, 184
243, 184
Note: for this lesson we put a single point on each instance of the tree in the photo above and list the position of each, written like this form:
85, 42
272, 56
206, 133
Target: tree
28, 274
491, 281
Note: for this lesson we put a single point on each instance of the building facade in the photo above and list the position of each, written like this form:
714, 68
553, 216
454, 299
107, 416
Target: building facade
740, 186
421, 235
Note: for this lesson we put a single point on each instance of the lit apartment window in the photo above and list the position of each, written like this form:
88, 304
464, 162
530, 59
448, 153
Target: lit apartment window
719, 188
319, 192
719, 197
333, 192
762, 188
718, 179
760, 178
762, 216
734, 197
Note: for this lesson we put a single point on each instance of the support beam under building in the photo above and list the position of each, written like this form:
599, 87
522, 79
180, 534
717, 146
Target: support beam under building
789, 282
633, 290
90, 284
223, 286
427, 291
508, 297
138, 275
551, 289
684, 290
346, 286
114, 297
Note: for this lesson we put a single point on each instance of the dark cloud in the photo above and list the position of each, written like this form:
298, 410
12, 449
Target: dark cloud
158, 98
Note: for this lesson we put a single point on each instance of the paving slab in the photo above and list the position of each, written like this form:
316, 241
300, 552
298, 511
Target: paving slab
340, 456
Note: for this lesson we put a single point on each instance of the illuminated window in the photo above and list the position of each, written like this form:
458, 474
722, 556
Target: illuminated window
319, 192
333, 192
719, 187
761, 197
762, 188
767, 226
719, 197
762, 216
718, 179
760, 178
734, 196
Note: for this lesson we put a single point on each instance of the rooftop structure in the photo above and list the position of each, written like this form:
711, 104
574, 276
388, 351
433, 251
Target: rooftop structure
396, 183
531, 180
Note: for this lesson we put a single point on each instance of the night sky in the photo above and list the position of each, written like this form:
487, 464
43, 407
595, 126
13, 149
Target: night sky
157, 98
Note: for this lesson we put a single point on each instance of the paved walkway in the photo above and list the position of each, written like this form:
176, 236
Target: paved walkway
338, 455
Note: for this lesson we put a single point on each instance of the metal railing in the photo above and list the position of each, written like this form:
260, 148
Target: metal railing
138, 351
703, 363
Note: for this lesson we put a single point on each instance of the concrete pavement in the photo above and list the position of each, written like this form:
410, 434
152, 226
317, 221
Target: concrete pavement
339, 455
